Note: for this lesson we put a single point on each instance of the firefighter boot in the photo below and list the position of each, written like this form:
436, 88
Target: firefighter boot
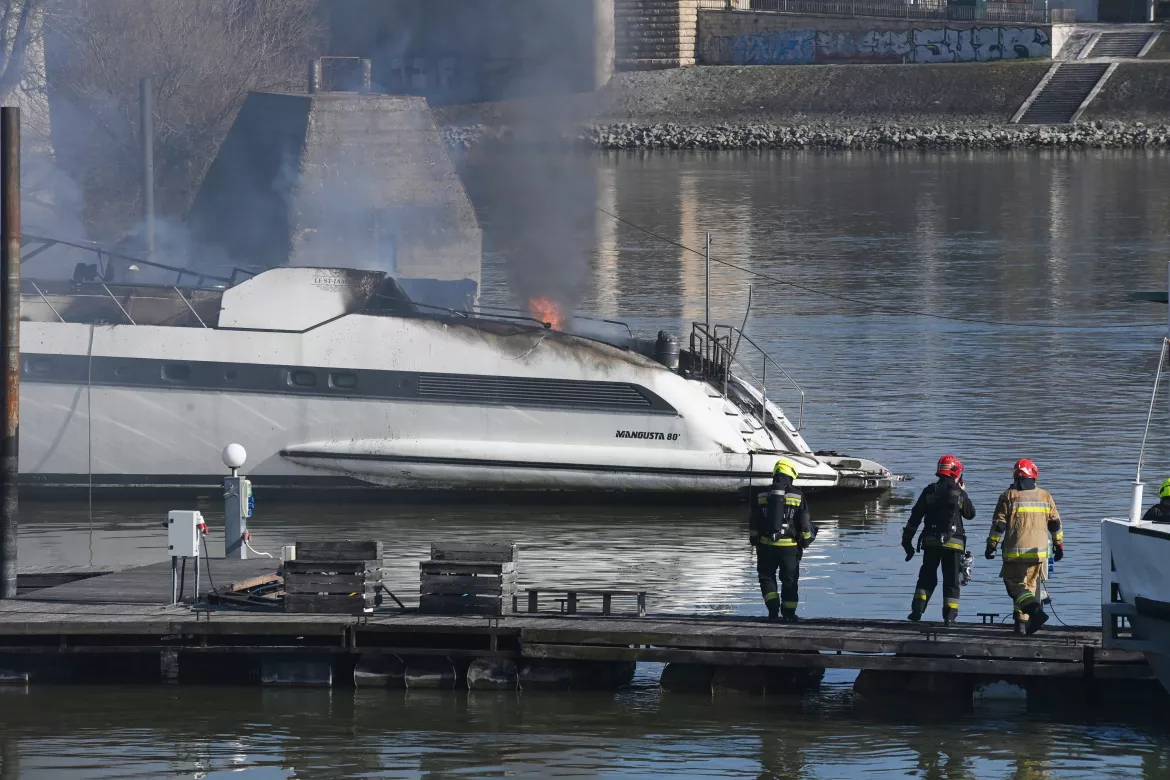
918, 605
1037, 617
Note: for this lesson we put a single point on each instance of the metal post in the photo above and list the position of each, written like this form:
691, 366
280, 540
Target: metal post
707, 287
146, 127
367, 76
10, 339
235, 516
315, 73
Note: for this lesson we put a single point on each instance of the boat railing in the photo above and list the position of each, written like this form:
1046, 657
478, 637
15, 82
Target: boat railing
715, 350
100, 291
44, 243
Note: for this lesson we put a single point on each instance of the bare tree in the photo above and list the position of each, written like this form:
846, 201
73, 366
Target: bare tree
203, 56
19, 27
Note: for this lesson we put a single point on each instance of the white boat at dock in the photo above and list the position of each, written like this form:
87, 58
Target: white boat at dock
1135, 577
336, 379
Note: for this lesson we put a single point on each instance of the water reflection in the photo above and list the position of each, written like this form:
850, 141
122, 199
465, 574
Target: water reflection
1048, 242
84, 732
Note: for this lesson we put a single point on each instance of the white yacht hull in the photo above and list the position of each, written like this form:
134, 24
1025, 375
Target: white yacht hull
1140, 552
324, 389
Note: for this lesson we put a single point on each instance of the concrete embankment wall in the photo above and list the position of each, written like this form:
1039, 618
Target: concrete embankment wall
989, 92
761, 38
1137, 92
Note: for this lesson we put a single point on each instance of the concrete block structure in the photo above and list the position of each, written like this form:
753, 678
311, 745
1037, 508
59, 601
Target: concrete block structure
338, 180
455, 51
653, 34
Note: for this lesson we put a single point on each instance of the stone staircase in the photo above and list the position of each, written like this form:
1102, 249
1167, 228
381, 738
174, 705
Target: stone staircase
652, 34
1059, 96
1121, 44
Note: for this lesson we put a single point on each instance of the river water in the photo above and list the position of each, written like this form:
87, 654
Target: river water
1025, 260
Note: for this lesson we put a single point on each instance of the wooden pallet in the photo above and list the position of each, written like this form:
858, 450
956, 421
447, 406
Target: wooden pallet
468, 578
334, 577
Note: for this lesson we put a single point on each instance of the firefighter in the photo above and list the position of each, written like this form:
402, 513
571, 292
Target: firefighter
1160, 512
781, 530
1024, 517
944, 505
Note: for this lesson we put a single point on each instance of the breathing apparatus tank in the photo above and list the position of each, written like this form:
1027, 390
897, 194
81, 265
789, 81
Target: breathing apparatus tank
778, 516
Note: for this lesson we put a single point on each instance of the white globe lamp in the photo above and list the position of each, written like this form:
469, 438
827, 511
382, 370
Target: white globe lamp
234, 456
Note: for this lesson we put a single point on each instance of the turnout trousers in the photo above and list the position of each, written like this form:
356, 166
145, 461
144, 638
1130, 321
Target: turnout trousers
1021, 578
781, 593
951, 562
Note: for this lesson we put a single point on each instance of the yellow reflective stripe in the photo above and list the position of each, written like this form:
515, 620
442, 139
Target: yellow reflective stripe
804, 535
772, 596
1032, 510
1025, 552
951, 604
789, 604
1058, 537
995, 538
954, 546
762, 498
919, 595
779, 542
791, 500
1020, 599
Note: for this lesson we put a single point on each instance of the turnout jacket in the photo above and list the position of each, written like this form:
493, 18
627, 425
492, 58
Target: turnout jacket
1024, 517
944, 506
1159, 512
797, 514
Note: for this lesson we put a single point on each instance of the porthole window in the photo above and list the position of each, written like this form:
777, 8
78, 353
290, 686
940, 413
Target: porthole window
343, 380
302, 378
40, 366
176, 372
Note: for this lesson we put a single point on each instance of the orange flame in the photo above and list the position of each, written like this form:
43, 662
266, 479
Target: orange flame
547, 311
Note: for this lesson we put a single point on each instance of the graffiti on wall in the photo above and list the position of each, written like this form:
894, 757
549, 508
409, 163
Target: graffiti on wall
804, 47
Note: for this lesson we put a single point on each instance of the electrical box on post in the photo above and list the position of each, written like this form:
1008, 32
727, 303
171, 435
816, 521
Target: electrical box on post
183, 533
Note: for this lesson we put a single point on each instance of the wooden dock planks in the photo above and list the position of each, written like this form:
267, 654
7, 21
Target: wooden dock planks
116, 609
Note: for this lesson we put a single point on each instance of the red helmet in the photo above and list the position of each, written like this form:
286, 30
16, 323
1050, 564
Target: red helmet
949, 466
1027, 469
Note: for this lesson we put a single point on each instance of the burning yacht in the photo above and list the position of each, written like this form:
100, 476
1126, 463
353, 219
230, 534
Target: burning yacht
336, 378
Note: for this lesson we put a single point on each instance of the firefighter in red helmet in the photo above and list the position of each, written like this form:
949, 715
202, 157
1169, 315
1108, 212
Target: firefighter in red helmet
1024, 517
943, 505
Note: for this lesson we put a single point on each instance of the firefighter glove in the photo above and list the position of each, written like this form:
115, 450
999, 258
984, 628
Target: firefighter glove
1058, 553
989, 553
908, 545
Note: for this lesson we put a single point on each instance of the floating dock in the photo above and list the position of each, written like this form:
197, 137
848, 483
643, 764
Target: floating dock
117, 627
